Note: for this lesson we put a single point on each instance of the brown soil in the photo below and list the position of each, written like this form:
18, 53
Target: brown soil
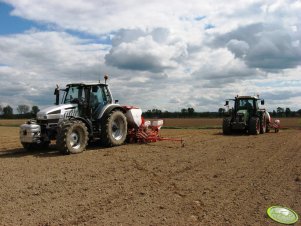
212, 180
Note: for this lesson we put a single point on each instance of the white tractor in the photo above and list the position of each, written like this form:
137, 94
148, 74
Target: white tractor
87, 112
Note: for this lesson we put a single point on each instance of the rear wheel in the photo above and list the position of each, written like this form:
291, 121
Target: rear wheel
254, 126
263, 124
72, 137
226, 126
268, 127
114, 129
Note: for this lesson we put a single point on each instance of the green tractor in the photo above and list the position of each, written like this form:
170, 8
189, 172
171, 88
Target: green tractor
246, 116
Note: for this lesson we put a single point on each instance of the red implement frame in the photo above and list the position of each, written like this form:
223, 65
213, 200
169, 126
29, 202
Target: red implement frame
147, 135
275, 124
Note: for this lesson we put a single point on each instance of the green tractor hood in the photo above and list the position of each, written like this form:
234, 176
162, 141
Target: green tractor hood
243, 115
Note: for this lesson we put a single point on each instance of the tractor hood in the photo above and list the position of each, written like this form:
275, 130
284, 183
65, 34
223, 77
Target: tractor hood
245, 112
57, 112
242, 115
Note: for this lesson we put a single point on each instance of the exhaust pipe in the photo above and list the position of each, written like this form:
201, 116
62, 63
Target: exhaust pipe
57, 95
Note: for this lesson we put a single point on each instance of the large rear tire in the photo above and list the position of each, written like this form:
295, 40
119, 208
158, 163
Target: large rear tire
263, 124
72, 137
113, 129
227, 126
254, 126
268, 127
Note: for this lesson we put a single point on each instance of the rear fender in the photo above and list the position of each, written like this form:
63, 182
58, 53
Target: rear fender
108, 108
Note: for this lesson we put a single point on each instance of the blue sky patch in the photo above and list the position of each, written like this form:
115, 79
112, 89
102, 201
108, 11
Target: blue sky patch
12, 24
208, 26
198, 18
93, 38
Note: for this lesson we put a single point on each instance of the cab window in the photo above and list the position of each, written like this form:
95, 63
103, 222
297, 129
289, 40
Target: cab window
74, 92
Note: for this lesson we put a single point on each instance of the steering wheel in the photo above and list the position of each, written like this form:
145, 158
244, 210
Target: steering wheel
80, 100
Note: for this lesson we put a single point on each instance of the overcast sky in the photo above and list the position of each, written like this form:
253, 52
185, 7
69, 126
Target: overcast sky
159, 54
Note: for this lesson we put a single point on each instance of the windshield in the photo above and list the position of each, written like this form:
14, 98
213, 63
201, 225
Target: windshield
74, 92
245, 103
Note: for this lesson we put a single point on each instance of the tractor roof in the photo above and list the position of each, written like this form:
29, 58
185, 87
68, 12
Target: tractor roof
86, 84
248, 97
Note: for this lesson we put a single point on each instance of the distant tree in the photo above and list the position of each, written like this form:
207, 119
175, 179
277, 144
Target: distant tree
35, 110
293, 114
288, 112
8, 111
156, 112
184, 111
190, 111
274, 114
221, 112
1, 110
280, 111
23, 109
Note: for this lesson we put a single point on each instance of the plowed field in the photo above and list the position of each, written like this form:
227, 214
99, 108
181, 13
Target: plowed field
212, 180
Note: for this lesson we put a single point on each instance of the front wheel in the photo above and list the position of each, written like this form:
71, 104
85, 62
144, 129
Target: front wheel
34, 146
254, 126
114, 129
27, 146
72, 137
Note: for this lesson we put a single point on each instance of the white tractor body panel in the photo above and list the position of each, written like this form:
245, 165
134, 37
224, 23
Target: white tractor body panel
268, 117
30, 133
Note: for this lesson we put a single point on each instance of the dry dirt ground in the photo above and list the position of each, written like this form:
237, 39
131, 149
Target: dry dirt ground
212, 180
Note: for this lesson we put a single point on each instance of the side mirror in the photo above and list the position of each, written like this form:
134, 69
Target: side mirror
116, 101
262, 102
227, 103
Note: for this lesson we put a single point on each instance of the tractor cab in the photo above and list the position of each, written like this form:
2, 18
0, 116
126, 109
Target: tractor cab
247, 103
90, 97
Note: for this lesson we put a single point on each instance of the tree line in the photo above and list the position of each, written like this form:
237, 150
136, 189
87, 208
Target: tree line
190, 113
25, 111
184, 113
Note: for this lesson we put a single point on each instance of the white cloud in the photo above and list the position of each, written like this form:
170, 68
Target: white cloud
137, 50
157, 53
238, 47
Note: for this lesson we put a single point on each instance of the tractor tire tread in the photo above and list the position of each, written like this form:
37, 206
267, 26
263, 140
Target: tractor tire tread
62, 137
106, 137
